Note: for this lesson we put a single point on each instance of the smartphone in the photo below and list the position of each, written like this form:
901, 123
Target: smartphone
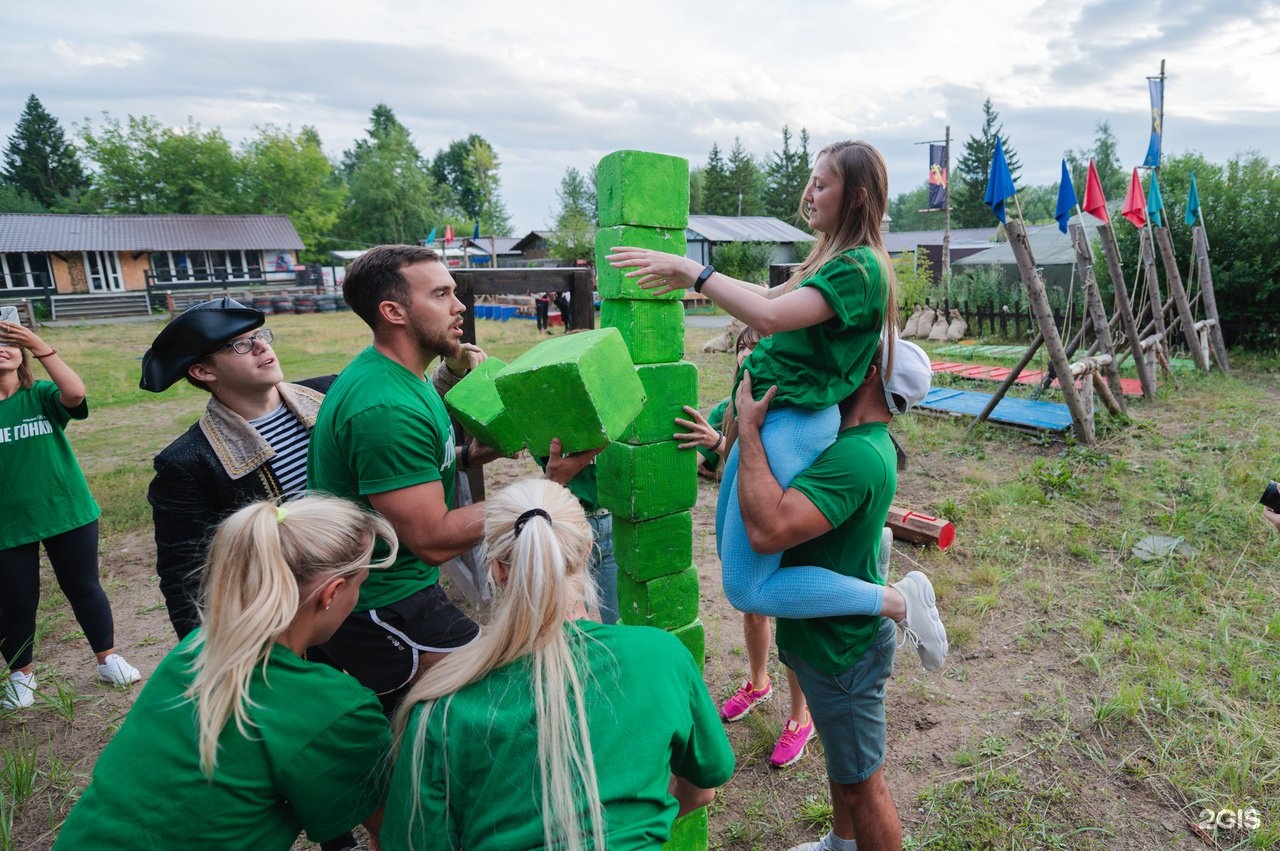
9, 313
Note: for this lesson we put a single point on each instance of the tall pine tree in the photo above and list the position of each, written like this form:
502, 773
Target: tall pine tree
39, 161
746, 182
718, 196
785, 176
967, 209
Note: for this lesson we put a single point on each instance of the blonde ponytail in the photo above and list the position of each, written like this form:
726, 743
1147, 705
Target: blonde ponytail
260, 562
546, 580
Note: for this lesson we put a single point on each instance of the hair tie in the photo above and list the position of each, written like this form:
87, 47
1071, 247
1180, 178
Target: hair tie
529, 515
281, 513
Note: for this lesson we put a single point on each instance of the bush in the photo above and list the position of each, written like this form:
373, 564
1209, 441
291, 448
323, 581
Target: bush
746, 261
979, 286
915, 278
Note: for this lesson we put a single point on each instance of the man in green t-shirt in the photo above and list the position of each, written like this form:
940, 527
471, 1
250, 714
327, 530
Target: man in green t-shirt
832, 516
383, 439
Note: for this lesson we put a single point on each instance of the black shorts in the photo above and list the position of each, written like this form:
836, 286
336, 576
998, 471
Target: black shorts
382, 647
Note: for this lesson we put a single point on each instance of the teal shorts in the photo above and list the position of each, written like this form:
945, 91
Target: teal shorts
848, 708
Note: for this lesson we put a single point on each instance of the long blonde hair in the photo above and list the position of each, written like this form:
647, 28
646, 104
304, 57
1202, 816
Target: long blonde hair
545, 559
260, 563
861, 170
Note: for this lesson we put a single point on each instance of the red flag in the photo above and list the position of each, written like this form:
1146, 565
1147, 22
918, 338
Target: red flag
448, 235
1135, 203
1095, 203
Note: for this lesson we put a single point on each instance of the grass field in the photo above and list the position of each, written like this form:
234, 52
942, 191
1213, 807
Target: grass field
1092, 699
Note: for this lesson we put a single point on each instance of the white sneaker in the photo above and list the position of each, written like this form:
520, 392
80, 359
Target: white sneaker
821, 845
115, 671
18, 691
922, 626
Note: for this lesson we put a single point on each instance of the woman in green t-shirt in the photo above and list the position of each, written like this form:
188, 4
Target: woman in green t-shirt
45, 502
551, 730
238, 741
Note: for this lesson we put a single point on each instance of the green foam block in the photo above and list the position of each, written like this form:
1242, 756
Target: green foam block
614, 283
667, 602
650, 548
642, 188
643, 482
668, 387
689, 833
653, 330
581, 388
475, 403
694, 636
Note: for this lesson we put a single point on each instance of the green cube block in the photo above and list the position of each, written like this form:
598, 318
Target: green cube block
653, 330
614, 283
668, 387
642, 188
667, 602
650, 548
689, 833
475, 403
643, 482
581, 388
694, 636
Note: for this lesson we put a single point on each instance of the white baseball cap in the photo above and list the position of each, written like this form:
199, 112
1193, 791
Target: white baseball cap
912, 376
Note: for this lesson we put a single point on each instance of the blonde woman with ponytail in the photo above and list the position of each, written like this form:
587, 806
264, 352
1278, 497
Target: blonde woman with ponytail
551, 730
238, 741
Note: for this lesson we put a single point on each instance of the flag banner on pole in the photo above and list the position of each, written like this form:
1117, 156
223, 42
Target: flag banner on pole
937, 177
999, 183
1192, 214
1135, 206
1155, 203
1066, 199
1095, 203
431, 238
475, 234
448, 234
1156, 85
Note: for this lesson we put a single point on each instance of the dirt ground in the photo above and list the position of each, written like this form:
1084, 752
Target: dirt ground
995, 687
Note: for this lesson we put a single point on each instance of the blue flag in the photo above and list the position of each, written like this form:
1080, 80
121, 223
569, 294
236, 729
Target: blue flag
937, 177
475, 234
1066, 199
1156, 85
1000, 182
1192, 215
431, 238
1155, 204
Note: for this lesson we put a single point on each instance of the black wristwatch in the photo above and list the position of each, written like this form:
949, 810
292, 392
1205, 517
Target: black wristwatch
707, 272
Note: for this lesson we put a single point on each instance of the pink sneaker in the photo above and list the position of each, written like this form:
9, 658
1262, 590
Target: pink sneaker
791, 744
745, 699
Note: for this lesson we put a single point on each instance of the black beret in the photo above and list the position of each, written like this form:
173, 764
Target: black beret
198, 331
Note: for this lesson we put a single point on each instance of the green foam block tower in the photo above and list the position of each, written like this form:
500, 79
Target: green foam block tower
694, 636
647, 549
614, 283
581, 388
653, 330
643, 482
689, 833
667, 602
642, 188
475, 403
668, 387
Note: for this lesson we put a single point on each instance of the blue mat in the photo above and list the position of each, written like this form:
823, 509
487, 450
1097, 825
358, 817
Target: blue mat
1023, 413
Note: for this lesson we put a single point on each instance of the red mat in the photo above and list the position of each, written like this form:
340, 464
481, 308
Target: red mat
981, 372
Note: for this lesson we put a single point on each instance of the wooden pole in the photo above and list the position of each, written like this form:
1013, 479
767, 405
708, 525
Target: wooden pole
1174, 279
1153, 286
1210, 301
946, 212
1048, 329
1008, 381
1104, 393
1093, 304
1111, 253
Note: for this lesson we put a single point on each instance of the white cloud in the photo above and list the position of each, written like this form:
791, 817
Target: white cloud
91, 55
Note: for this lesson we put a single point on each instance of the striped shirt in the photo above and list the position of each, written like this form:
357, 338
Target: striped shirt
289, 438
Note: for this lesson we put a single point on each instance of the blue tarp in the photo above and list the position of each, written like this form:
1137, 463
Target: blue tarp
1047, 416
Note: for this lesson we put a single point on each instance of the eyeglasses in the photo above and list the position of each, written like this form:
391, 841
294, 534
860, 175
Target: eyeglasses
244, 345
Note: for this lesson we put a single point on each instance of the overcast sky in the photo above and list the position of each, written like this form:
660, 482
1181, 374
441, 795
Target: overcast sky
560, 84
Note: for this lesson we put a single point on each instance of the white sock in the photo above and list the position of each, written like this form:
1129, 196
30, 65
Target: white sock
835, 843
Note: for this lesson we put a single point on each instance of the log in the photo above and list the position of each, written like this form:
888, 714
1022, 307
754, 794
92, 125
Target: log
1210, 301
1097, 314
1153, 287
1111, 252
1104, 393
908, 525
1090, 365
1174, 279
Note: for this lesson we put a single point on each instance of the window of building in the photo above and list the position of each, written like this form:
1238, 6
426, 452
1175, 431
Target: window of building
24, 270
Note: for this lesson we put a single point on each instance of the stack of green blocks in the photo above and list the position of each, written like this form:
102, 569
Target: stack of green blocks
644, 479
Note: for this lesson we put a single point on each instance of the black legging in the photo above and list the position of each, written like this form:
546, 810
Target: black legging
542, 310
74, 556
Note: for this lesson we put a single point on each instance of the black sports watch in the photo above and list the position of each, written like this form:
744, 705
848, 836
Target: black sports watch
707, 272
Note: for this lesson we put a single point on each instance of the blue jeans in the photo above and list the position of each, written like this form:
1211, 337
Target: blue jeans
601, 565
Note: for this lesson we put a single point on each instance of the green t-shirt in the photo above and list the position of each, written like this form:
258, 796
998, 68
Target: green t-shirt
852, 484
649, 714
382, 428
34, 449
715, 419
314, 761
821, 365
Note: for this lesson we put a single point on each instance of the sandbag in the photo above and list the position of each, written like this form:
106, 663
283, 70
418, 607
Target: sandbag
939, 332
925, 323
956, 330
912, 328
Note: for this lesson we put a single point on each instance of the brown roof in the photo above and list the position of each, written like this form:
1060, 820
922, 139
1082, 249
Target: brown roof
50, 232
